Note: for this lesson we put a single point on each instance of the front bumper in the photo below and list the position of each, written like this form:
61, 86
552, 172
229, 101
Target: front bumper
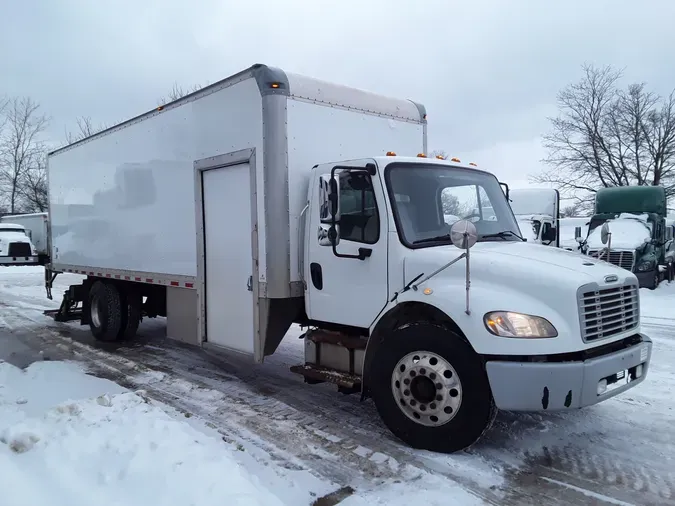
552, 386
18, 260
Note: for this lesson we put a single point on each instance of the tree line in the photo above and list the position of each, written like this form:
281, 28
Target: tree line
23, 150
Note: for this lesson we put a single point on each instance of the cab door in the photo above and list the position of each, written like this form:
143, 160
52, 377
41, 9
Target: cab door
347, 279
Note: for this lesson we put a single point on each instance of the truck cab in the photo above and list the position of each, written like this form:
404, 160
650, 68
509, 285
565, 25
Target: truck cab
537, 211
635, 219
16, 247
431, 318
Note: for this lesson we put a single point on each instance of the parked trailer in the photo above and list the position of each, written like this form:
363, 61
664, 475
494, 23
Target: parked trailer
36, 226
299, 218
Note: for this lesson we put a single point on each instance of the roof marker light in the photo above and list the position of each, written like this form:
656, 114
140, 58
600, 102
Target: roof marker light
274, 85
391, 153
440, 157
457, 160
473, 164
421, 155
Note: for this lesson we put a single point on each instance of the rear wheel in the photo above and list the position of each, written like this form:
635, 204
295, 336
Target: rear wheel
431, 389
105, 311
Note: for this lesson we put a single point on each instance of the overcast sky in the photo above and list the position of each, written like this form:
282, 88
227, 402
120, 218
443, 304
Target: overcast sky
487, 70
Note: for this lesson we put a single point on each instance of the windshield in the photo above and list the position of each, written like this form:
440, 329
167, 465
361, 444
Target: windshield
427, 199
7, 230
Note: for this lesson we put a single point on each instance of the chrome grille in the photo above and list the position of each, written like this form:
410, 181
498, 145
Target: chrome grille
608, 311
623, 259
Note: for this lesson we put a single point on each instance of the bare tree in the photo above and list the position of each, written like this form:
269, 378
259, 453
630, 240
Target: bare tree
85, 128
573, 210
605, 136
33, 186
20, 146
438, 152
177, 92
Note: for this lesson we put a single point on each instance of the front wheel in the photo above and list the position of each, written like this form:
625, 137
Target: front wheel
430, 388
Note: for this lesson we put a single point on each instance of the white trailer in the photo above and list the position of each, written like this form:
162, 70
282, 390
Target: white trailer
36, 226
537, 211
270, 198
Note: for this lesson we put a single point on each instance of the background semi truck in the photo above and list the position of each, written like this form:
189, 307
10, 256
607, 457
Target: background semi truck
636, 217
35, 225
16, 247
269, 199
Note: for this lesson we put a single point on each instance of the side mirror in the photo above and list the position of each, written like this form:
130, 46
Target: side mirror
577, 233
605, 233
329, 199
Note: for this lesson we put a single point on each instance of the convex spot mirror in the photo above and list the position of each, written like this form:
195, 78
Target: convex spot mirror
463, 234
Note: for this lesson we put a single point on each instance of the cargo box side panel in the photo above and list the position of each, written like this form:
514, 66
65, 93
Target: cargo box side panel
320, 133
125, 199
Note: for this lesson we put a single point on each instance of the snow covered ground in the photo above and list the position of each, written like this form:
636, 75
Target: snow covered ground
177, 425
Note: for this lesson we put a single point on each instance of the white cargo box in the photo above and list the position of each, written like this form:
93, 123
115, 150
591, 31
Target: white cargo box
143, 201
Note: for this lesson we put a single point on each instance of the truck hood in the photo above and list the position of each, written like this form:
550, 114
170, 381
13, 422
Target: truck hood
516, 263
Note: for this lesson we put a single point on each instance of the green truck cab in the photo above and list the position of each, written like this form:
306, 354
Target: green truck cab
629, 229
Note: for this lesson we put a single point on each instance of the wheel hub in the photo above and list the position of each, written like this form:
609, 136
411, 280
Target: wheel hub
426, 388
94, 312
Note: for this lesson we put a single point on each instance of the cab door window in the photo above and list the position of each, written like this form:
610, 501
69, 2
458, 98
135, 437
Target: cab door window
359, 218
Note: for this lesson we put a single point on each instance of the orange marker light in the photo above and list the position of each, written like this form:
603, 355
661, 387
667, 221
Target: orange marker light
391, 153
421, 155
473, 164
160, 108
274, 85
440, 157
457, 160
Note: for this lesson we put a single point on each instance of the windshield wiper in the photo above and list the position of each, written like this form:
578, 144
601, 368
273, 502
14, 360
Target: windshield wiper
443, 237
503, 234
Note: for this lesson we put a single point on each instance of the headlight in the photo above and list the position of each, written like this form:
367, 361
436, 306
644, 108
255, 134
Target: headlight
645, 266
508, 324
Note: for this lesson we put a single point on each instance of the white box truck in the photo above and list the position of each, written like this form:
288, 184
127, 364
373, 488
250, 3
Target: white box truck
537, 211
36, 225
269, 199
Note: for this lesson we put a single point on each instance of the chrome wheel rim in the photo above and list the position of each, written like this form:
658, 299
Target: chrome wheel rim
426, 388
94, 312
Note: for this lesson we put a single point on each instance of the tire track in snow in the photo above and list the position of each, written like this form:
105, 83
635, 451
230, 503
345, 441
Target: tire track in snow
333, 446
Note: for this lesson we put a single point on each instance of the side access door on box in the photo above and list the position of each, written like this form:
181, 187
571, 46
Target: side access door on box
227, 227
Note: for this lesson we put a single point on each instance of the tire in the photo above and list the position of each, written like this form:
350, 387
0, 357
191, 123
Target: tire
466, 393
655, 280
105, 311
131, 317
669, 273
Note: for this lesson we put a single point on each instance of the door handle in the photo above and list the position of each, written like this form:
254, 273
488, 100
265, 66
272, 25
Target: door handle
249, 284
